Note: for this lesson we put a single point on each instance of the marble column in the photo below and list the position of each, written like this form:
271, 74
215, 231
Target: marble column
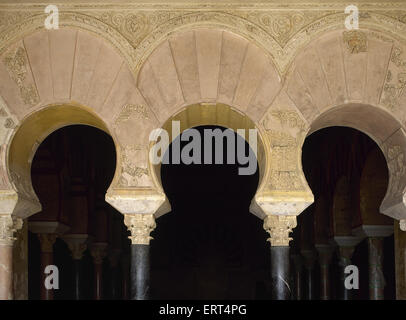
140, 226
309, 257
8, 226
279, 228
346, 247
77, 244
298, 262
98, 250
113, 257
47, 241
375, 235
325, 253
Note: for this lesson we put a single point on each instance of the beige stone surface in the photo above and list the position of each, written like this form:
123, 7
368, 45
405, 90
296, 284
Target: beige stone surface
331, 58
379, 53
183, 48
208, 46
233, 52
62, 44
312, 74
37, 46
164, 70
355, 66
252, 72
149, 88
266, 92
300, 95
105, 73
87, 53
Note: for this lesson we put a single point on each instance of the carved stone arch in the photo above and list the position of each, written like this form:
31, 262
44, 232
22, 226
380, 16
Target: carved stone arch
24, 142
26, 25
72, 67
332, 22
210, 20
389, 135
355, 79
226, 69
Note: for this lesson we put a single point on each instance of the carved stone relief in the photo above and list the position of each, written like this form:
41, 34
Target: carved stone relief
281, 29
16, 62
397, 169
395, 80
129, 110
356, 41
284, 129
131, 173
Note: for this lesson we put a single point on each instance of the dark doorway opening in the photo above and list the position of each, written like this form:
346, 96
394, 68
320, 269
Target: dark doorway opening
210, 246
329, 155
71, 171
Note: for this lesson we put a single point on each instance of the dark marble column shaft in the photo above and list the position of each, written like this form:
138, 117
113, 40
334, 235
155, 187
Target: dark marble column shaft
125, 277
375, 269
309, 261
98, 252
298, 262
77, 279
98, 281
325, 255
139, 275
280, 273
345, 254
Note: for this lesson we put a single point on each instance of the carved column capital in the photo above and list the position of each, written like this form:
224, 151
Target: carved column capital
47, 241
8, 226
77, 244
98, 251
279, 228
140, 226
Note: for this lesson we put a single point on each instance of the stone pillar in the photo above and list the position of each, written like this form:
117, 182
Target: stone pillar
298, 262
375, 235
114, 256
346, 247
309, 261
98, 250
279, 228
77, 244
47, 241
325, 254
140, 226
375, 269
8, 226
